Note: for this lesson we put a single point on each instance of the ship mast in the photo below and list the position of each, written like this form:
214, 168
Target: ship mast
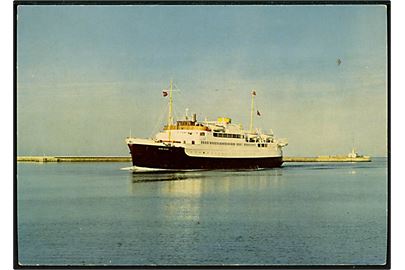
251, 110
170, 118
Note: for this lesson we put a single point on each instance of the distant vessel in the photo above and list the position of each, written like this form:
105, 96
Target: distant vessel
189, 144
354, 154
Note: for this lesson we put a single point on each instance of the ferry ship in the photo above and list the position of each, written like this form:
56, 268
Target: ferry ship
192, 145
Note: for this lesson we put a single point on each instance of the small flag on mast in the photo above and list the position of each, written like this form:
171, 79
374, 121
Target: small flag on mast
164, 93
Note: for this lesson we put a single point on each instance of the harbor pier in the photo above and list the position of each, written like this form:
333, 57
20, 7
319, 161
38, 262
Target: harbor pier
43, 159
328, 159
74, 159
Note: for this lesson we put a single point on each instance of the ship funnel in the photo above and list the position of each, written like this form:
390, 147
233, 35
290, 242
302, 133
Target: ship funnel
194, 119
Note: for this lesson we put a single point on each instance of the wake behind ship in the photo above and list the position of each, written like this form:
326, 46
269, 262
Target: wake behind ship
189, 144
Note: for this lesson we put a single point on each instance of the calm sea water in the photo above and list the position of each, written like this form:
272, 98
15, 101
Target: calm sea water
303, 213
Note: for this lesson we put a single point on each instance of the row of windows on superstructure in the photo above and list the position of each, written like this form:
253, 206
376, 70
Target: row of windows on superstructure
220, 143
237, 144
228, 135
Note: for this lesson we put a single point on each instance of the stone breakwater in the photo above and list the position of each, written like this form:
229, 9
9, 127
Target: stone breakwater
42, 159
328, 159
73, 159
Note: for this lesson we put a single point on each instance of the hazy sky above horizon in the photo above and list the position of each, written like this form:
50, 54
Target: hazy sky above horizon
87, 76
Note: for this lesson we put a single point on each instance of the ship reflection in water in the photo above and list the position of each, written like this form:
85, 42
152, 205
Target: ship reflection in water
191, 184
184, 192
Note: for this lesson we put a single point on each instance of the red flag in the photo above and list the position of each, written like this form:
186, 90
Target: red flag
164, 93
254, 93
258, 113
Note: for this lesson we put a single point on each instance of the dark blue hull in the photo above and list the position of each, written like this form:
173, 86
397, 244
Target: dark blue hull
175, 158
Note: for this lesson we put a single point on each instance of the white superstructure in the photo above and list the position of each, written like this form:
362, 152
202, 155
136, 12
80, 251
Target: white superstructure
218, 138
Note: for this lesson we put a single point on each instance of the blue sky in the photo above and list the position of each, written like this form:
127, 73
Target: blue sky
89, 75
